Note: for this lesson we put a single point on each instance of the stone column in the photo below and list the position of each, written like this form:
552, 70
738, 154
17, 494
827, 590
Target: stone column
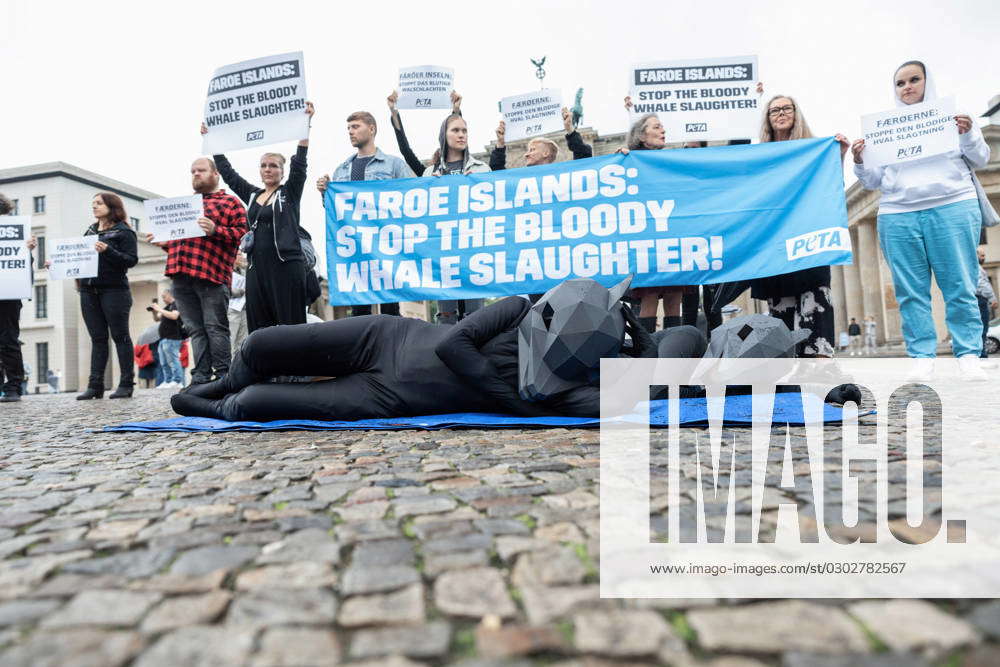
867, 261
852, 284
839, 299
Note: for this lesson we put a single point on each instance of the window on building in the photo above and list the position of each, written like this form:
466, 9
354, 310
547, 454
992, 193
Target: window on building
17, 207
42, 362
41, 302
40, 251
135, 224
40, 204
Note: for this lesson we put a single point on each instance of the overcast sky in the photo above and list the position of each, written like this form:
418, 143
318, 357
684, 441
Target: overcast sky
119, 87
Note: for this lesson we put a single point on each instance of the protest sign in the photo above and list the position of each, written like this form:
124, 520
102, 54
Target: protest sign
699, 100
175, 218
532, 114
913, 132
669, 217
255, 103
15, 260
425, 87
73, 257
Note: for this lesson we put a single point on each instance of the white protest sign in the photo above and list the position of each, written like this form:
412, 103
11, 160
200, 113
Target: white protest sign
175, 218
73, 257
238, 284
255, 103
425, 87
910, 133
532, 114
709, 99
15, 260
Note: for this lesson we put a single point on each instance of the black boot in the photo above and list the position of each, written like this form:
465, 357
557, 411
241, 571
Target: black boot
672, 321
189, 405
240, 375
648, 323
90, 393
123, 391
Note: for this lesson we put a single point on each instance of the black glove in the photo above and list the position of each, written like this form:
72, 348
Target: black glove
642, 343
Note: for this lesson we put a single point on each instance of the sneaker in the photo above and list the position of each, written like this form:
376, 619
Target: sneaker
971, 370
922, 370
12, 397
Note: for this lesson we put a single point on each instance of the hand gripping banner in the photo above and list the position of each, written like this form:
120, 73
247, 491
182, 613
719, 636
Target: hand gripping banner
671, 217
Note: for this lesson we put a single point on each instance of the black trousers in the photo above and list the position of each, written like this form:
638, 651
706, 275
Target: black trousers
276, 297
203, 306
385, 309
984, 315
11, 362
689, 308
108, 310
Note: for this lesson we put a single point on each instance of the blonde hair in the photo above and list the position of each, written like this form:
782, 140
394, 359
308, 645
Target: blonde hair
800, 128
553, 148
278, 156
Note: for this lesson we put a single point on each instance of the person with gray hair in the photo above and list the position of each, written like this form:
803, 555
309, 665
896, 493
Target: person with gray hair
11, 362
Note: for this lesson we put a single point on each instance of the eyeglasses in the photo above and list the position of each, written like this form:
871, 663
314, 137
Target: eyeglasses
777, 111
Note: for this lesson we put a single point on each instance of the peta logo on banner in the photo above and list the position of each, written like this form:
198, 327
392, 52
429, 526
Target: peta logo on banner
823, 240
256, 135
11, 232
696, 127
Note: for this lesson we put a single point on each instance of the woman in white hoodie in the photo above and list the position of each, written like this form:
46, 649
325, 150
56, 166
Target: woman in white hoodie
929, 221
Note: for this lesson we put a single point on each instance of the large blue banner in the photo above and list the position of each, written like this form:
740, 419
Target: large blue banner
671, 217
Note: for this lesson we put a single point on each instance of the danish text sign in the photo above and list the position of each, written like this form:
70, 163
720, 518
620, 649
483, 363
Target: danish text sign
175, 217
73, 258
914, 132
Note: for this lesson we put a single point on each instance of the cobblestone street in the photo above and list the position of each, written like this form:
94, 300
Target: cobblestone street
466, 547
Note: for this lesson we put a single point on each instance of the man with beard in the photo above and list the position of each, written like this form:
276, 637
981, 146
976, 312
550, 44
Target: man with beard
201, 269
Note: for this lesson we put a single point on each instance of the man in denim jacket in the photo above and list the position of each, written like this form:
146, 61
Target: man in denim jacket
368, 164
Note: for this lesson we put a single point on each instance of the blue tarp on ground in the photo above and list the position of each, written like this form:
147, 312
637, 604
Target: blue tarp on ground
693, 412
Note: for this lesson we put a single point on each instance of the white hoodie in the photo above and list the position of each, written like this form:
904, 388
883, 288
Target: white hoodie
923, 184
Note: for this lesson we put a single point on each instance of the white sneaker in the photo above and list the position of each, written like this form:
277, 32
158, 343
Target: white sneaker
922, 370
969, 364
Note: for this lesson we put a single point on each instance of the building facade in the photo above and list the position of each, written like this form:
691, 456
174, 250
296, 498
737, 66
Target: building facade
57, 196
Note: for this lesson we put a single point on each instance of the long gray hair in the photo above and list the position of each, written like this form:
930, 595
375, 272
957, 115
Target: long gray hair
634, 138
800, 128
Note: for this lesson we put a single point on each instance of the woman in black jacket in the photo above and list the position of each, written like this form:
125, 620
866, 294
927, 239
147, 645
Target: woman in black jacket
106, 300
276, 271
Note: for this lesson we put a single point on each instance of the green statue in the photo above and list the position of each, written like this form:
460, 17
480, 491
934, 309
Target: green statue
578, 108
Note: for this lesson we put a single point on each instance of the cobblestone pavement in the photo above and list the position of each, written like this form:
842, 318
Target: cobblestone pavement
472, 548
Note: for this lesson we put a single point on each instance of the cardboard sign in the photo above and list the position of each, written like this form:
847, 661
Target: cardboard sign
255, 103
532, 114
425, 87
15, 259
709, 99
73, 257
913, 132
175, 218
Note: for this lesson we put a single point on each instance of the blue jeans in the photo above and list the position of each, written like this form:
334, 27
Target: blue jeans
941, 240
170, 360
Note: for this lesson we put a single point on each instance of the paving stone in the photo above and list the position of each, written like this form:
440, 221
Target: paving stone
79, 648
982, 656
12, 519
283, 606
543, 605
463, 543
131, 564
435, 564
303, 574
196, 512
180, 583
515, 640
107, 608
91, 501
620, 632
200, 646
798, 659
391, 661
912, 625
509, 546
381, 553
17, 544
368, 511
502, 527
405, 607
285, 647
360, 580
422, 641
986, 619
185, 610
427, 505
307, 545
203, 560
474, 592
549, 567
775, 627
18, 612
18, 575
560, 532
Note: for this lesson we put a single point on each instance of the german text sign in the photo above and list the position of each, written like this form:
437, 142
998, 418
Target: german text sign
913, 132
425, 87
175, 218
73, 257
255, 103
707, 99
